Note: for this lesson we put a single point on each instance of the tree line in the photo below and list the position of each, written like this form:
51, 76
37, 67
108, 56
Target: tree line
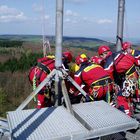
25, 62
10, 43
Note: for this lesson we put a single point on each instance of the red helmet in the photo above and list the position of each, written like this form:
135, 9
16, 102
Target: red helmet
126, 45
103, 49
96, 60
80, 59
93, 59
67, 56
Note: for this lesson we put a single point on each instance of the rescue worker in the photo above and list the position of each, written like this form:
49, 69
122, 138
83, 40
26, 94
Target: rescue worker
66, 59
121, 67
96, 60
39, 72
127, 48
74, 67
97, 82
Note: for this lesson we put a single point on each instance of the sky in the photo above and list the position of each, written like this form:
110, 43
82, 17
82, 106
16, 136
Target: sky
82, 18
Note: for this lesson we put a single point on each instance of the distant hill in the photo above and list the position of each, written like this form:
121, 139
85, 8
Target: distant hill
76, 42
51, 38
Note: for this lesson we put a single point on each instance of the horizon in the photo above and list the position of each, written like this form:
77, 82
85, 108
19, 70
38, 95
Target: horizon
109, 39
82, 18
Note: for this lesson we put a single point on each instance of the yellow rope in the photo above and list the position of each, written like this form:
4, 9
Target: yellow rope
34, 87
34, 84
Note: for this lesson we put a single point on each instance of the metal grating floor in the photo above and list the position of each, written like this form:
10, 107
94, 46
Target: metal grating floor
45, 124
57, 123
104, 119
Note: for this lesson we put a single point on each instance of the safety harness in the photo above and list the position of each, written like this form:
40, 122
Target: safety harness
131, 71
43, 68
104, 81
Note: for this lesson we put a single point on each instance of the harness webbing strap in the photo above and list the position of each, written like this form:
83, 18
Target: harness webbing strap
102, 81
131, 70
43, 67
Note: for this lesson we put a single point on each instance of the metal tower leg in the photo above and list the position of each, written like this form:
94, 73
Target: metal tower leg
66, 97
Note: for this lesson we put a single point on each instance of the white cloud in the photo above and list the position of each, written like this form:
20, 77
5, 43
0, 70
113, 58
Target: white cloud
4, 10
39, 19
78, 19
41, 10
13, 18
11, 14
103, 21
47, 17
71, 13
70, 21
71, 17
88, 19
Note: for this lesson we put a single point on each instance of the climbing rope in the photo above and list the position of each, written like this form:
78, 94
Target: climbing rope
108, 92
34, 87
34, 84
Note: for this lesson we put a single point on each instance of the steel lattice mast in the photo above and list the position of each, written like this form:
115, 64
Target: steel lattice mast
58, 48
59, 33
120, 24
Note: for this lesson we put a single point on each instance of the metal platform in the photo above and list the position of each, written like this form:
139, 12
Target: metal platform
45, 124
104, 119
93, 119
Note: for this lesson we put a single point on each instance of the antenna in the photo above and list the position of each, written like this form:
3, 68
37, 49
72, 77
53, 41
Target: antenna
43, 28
120, 24
46, 43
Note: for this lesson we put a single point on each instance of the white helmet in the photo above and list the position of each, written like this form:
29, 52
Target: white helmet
128, 87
